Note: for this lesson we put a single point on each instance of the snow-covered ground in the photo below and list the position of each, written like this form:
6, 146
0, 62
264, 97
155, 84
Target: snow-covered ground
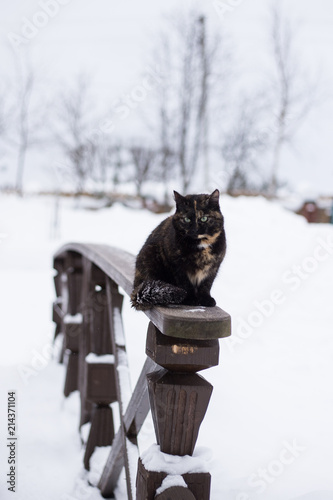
269, 424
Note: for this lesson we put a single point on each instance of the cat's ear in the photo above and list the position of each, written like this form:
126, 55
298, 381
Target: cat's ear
178, 197
215, 197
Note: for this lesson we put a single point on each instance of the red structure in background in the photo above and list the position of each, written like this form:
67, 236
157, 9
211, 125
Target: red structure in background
316, 212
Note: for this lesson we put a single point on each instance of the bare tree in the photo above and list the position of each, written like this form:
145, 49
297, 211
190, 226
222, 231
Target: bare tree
2, 114
188, 59
2, 126
166, 161
293, 93
27, 84
118, 164
74, 128
243, 146
189, 104
144, 160
109, 161
26, 116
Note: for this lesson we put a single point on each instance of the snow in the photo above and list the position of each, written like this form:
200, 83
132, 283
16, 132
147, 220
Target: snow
118, 328
84, 431
170, 482
154, 460
73, 319
100, 358
133, 457
125, 383
269, 422
198, 309
97, 462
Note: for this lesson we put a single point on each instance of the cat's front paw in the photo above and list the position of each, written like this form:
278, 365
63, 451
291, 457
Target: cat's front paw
207, 301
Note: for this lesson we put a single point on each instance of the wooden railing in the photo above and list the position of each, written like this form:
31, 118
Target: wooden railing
181, 341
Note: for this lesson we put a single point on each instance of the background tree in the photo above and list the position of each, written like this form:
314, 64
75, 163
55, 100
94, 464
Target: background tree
26, 118
166, 132
190, 60
3, 119
166, 161
2, 113
73, 134
243, 147
293, 94
143, 159
109, 162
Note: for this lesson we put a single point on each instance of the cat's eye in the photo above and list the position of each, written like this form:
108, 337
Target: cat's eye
204, 218
186, 219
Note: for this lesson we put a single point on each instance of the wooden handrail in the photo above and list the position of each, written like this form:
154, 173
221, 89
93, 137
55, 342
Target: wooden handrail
181, 340
182, 321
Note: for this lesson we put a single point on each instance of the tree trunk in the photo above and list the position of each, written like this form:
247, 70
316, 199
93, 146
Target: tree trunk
276, 158
20, 169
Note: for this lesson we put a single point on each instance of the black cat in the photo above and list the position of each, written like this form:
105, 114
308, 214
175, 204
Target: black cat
181, 257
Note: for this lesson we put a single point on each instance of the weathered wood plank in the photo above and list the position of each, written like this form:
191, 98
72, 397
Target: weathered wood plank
133, 420
113, 467
190, 322
139, 406
116, 263
175, 321
123, 385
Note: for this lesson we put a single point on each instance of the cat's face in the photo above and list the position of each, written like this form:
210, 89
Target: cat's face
198, 217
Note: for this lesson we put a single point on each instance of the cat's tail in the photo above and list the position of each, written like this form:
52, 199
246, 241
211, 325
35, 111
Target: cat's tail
156, 293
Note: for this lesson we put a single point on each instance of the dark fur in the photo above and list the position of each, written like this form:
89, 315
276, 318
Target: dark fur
179, 261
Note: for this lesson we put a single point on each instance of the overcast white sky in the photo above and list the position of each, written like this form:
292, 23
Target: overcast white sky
112, 41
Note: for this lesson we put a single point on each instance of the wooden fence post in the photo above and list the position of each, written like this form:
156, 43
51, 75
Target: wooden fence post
72, 320
179, 399
181, 341
97, 365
